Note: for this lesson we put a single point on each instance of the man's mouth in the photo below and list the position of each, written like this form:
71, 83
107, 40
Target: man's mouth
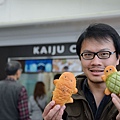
97, 70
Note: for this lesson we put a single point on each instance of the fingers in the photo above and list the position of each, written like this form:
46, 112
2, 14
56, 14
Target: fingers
48, 107
116, 101
52, 112
58, 115
118, 117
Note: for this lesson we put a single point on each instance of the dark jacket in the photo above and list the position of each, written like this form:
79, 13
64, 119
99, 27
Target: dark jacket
9, 95
80, 109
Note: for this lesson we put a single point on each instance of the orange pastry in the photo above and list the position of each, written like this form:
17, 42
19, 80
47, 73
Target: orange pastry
65, 86
112, 79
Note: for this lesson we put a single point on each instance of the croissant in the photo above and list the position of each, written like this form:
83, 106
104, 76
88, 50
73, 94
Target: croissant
65, 86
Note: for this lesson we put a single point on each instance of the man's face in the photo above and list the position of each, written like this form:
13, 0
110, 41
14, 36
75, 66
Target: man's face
94, 68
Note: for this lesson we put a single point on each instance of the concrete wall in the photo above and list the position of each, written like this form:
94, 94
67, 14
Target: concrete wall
49, 33
22, 12
25, 22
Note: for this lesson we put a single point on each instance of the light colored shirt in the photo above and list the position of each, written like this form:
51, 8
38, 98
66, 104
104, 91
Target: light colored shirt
34, 110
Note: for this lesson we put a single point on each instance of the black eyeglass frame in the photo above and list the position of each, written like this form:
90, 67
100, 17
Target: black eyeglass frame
96, 53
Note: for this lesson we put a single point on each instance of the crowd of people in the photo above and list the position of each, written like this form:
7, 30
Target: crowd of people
97, 47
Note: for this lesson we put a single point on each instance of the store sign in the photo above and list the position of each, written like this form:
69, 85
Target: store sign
67, 48
43, 50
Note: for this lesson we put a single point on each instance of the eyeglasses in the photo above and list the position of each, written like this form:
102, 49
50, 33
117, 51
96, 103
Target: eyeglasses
100, 55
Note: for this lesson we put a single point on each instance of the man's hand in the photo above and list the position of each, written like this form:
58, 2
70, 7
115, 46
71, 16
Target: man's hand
116, 101
52, 112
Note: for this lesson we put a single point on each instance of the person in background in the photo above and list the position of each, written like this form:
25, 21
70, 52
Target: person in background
97, 47
37, 101
13, 96
49, 95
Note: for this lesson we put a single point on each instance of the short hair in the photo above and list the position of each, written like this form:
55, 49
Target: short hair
99, 31
56, 76
12, 67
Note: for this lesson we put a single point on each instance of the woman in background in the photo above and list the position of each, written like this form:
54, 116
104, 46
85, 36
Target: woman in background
37, 102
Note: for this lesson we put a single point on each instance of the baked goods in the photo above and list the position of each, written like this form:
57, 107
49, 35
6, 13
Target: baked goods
65, 86
112, 79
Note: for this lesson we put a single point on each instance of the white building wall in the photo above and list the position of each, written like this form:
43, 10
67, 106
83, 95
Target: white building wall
18, 12
24, 22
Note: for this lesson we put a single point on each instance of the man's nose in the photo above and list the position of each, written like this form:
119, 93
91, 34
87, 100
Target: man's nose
96, 60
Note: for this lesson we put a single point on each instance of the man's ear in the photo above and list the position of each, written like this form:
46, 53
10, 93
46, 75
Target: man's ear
17, 72
118, 61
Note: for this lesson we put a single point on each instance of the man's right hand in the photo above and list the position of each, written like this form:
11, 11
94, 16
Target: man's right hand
53, 112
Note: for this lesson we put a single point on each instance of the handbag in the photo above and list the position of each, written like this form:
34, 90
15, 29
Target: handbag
39, 106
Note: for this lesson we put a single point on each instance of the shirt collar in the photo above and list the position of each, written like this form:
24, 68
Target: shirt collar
10, 79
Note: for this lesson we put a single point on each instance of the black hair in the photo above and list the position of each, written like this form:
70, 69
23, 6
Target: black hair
56, 76
12, 67
98, 31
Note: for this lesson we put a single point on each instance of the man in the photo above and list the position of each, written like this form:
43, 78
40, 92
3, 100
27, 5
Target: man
97, 47
13, 96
